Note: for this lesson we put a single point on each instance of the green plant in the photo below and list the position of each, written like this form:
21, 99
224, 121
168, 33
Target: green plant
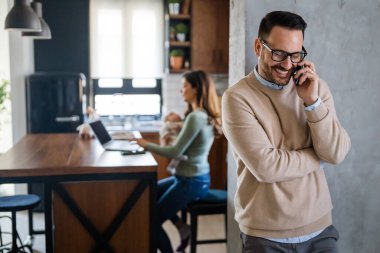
177, 52
4, 93
175, 1
181, 28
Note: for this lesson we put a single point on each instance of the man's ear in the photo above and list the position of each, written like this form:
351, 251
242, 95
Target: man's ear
257, 47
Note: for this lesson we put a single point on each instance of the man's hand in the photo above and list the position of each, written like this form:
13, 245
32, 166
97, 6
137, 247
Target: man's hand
307, 89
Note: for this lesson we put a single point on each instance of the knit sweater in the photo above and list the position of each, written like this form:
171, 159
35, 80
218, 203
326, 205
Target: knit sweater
278, 147
194, 141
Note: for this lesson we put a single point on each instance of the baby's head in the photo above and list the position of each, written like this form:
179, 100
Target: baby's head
172, 117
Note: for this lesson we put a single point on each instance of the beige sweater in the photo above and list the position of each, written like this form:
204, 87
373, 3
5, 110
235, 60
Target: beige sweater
278, 147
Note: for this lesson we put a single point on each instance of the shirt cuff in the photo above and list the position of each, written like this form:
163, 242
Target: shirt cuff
321, 164
313, 106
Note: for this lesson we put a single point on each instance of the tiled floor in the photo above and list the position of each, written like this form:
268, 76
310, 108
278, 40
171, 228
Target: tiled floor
208, 227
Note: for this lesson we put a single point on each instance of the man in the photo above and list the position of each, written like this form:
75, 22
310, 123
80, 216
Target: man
282, 134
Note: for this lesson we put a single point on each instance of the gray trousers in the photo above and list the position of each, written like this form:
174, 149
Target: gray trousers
325, 242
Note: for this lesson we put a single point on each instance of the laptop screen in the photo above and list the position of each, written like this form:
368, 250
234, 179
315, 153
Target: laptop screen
100, 131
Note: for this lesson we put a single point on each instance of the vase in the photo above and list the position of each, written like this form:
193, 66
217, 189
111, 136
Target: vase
176, 62
181, 36
174, 8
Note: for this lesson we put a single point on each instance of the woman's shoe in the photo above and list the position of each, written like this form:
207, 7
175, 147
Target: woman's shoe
184, 244
185, 233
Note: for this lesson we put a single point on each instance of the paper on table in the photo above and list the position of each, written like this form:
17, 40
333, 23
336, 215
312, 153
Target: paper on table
126, 135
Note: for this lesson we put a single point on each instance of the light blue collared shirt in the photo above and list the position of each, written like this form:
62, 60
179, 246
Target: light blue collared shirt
275, 86
303, 238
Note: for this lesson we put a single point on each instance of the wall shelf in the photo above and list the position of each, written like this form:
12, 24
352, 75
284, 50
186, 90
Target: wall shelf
174, 43
207, 40
174, 71
180, 16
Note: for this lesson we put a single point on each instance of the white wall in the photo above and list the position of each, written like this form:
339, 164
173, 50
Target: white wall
4, 43
16, 59
21, 65
236, 72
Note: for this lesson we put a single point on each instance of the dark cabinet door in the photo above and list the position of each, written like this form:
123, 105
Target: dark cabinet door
210, 33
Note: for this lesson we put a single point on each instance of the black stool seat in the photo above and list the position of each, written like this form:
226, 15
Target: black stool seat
13, 204
18, 202
214, 196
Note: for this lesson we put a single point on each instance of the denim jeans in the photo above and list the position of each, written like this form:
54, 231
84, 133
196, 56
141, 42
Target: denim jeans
174, 193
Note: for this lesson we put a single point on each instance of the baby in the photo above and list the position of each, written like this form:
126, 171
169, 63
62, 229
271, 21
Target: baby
168, 134
170, 129
85, 131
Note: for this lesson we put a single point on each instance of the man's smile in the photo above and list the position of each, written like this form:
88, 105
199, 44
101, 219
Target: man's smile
282, 72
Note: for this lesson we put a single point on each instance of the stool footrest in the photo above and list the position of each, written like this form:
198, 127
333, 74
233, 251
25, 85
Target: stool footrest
212, 241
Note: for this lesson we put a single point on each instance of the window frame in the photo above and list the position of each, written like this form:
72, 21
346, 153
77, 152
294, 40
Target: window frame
128, 89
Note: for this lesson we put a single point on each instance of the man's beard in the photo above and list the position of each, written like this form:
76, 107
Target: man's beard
268, 72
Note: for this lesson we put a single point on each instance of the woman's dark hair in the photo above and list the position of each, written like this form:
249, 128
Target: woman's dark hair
285, 19
207, 98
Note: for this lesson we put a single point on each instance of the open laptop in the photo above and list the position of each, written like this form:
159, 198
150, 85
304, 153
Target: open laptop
108, 143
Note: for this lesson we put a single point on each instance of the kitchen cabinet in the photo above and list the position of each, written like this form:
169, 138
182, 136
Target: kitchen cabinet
206, 44
210, 33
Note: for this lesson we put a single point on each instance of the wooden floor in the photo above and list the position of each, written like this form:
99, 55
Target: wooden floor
208, 227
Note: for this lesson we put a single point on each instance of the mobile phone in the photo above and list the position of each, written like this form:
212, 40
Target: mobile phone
134, 152
297, 80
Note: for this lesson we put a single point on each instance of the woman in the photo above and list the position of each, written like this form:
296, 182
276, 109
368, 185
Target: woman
192, 179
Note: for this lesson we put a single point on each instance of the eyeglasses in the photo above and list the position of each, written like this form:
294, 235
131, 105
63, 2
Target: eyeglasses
280, 55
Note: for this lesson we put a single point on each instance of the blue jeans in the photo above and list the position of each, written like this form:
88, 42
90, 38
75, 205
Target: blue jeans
174, 193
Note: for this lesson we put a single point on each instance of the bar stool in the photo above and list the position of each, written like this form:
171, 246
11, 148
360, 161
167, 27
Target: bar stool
215, 202
13, 204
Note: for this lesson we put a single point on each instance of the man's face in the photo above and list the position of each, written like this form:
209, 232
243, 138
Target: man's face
280, 38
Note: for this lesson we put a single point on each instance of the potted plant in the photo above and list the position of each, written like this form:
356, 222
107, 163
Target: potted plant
4, 100
176, 58
4, 94
174, 6
181, 30
172, 33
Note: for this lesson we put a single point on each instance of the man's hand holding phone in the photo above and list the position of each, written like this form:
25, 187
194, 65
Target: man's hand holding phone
306, 80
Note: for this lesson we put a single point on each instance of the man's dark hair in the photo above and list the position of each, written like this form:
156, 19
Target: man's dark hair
284, 19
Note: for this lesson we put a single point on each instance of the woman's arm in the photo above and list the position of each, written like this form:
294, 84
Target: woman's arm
193, 124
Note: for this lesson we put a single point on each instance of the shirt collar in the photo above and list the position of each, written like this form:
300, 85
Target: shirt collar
265, 82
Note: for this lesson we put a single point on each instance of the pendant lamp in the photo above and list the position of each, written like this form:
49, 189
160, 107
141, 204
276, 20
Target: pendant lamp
22, 17
45, 33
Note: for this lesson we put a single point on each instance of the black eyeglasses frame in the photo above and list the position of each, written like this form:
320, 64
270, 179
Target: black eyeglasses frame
303, 53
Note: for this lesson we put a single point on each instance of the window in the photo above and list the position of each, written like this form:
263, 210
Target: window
128, 97
126, 43
126, 38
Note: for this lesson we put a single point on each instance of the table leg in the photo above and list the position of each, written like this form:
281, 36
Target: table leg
48, 218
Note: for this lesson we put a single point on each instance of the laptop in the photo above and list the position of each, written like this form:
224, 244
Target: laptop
109, 144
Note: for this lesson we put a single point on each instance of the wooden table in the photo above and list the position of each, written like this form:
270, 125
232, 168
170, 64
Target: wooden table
96, 200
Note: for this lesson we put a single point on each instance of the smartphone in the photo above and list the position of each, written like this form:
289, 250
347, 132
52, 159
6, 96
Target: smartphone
297, 80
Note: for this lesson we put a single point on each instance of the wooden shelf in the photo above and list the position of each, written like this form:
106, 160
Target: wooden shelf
174, 43
172, 20
178, 70
180, 16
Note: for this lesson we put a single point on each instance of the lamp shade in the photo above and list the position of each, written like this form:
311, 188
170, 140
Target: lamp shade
22, 17
45, 32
